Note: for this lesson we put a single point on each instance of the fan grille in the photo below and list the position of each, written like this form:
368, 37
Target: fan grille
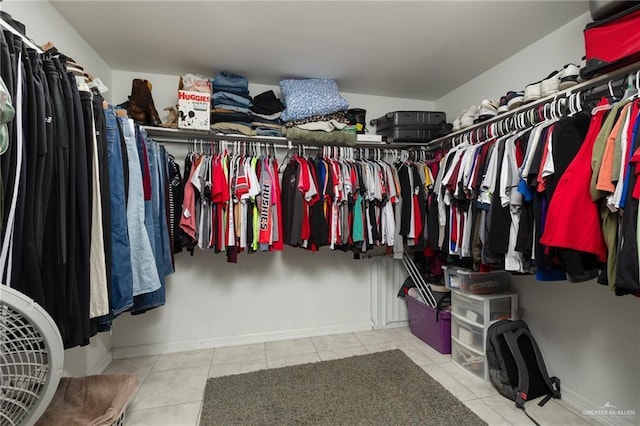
24, 366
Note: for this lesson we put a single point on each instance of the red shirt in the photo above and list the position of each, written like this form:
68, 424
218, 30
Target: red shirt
572, 198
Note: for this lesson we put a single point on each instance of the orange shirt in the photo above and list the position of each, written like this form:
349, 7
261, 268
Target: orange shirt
605, 176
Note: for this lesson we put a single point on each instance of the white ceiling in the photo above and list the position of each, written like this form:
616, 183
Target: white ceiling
418, 50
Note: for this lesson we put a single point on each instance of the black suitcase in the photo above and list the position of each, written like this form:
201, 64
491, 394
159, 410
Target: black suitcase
612, 43
602, 9
410, 119
408, 134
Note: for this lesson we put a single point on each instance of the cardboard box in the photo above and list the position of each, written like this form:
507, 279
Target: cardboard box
194, 110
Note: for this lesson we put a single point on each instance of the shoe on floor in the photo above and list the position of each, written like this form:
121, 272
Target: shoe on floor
568, 76
514, 99
549, 86
502, 107
532, 92
468, 117
488, 109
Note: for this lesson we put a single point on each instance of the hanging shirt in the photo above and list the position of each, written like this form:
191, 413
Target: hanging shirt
604, 181
599, 149
572, 190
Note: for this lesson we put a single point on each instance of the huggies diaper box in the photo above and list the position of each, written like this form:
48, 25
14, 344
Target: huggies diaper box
194, 110
194, 102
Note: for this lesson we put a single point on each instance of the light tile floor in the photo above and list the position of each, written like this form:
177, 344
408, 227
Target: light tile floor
172, 385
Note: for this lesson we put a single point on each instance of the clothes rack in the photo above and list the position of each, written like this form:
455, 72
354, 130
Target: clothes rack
169, 135
523, 116
24, 38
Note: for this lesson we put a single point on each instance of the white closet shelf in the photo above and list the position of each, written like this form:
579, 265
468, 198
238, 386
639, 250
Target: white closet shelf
169, 135
583, 87
181, 135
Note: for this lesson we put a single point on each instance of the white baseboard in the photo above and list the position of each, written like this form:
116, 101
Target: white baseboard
188, 345
582, 405
101, 365
392, 324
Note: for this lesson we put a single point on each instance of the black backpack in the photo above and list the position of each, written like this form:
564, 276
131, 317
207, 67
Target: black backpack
516, 367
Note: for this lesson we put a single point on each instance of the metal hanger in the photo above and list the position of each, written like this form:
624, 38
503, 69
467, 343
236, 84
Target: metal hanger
609, 105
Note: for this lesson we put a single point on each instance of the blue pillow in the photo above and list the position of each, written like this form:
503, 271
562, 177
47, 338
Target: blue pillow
309, 97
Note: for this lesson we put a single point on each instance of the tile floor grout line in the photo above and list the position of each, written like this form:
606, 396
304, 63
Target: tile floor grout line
314, 346
360, 340
168, 405
176, 369
495, 411
155, 362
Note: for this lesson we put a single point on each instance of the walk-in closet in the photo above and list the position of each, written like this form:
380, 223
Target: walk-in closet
265, 267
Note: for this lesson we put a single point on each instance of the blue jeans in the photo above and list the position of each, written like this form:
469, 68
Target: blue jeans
230, 81
231, 99
156, 298
260, 131
143, 153
121, 269
145, 275
163, 167
235, 108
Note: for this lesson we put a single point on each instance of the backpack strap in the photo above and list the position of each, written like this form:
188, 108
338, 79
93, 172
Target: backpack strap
553, 383
555, 390
495, 359
511, 338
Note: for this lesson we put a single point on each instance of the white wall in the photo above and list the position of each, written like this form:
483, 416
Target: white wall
531, 64
44, 23
590, 338
266, 296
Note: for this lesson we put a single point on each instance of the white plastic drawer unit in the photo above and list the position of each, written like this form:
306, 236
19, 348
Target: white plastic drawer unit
484, 309
468, 333
470, 282
469, 359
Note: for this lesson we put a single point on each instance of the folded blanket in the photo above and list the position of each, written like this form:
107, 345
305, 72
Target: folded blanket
90, 400
338, 116
327, 126
308, 97
347, 136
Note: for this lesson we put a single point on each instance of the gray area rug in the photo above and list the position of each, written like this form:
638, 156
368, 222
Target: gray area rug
384, 388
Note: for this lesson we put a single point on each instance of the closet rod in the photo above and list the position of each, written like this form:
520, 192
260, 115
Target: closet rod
181, 136
584, 87
283, 143
24, 38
